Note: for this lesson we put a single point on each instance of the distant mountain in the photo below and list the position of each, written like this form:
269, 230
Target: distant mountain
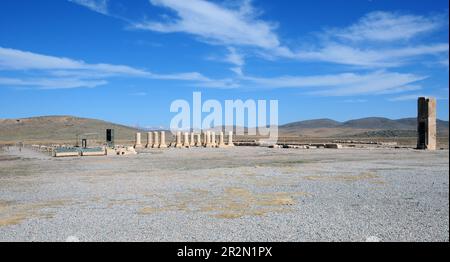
66, 128
317, 123
376, 123
367, 126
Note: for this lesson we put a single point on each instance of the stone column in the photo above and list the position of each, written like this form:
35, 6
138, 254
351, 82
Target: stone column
186, 140
149, 140
198, 143
221, 142
178, 141
230, 139
163, 140
213, 139
192, 139
426, 123
138, 141
208, 139
156, 140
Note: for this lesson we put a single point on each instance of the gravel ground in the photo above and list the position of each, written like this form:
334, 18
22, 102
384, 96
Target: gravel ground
235, 194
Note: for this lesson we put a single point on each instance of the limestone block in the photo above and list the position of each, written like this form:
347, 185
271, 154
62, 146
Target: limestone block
186, 140
198, 143
230, 138
178, 141
155, 140
137, 143
149, 140
221, 140
213, 139
163, 140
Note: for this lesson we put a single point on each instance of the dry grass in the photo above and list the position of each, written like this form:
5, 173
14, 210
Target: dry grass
234, 202
12, 213
344, 178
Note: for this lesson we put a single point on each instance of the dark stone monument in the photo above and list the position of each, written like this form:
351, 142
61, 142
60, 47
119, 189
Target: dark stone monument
426, 123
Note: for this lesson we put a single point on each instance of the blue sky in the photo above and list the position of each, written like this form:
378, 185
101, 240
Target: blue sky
126, 61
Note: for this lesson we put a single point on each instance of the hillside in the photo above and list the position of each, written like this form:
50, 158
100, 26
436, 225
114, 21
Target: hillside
58, 128
365, 127
66, 128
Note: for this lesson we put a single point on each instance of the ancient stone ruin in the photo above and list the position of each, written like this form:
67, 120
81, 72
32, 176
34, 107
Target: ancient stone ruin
426, 123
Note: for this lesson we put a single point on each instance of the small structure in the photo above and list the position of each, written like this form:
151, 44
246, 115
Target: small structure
178, 141
162, 144
230, 138
198, 143
84, 143
192, 144
213, 139
207, 139
149, 140
138, 141
221, 140
186, 140
156, 140
426, 123
85, 139
110, 138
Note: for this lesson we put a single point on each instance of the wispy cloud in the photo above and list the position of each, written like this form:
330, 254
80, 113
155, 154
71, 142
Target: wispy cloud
138, 94
50, 72
215, 23
378, 40
99, 6
388, 26
415, 96
236, 59
60, 72
355, 101
51, 83
346, 84
368, 57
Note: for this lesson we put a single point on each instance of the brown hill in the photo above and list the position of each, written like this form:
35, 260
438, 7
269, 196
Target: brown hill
59, 129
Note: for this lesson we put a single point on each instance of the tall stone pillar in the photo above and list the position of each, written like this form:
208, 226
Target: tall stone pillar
163, 140
178, 141
221, 140
198, 143
208, 139
156, 140
192, 144
149, 140
186, 140
137, 143
213, 139
426, 123
230, 139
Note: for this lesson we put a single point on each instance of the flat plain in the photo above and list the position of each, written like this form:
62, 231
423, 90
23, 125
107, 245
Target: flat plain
230, 194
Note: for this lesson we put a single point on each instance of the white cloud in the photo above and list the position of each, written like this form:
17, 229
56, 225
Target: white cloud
13, 59
388, 26
51, 83
346, 84
138, 94
415, 97
215, 23
60, 72
347, 55
377, 40
355, 101
234, 57
99, 6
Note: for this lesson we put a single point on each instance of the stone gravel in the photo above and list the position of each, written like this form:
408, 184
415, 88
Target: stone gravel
230, 194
